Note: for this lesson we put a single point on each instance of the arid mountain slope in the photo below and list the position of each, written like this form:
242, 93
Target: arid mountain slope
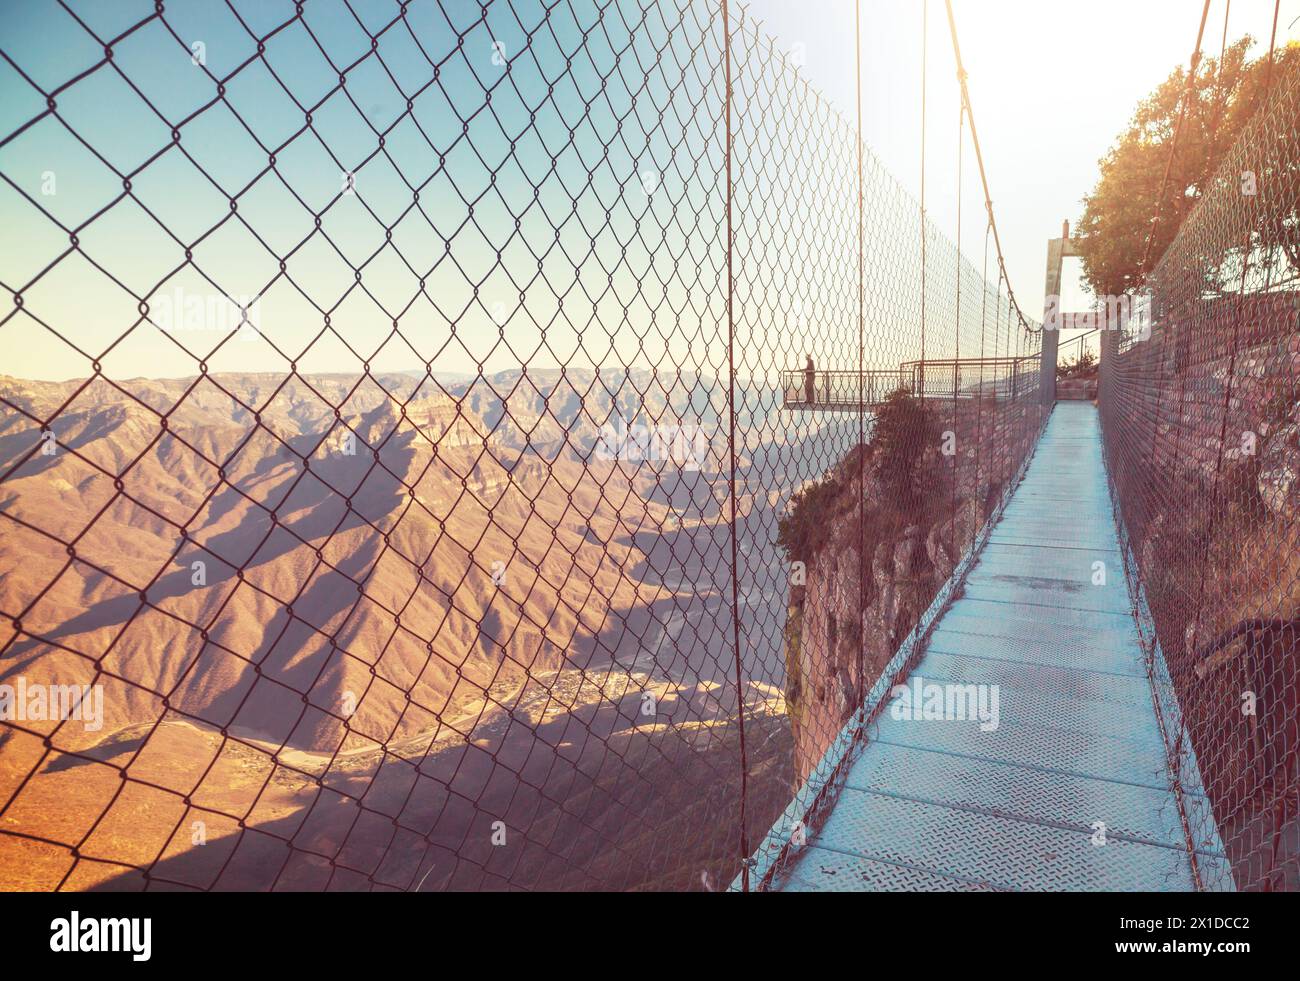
285, 585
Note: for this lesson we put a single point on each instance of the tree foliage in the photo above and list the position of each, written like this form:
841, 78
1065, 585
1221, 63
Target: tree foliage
1084, 366
1118, 214
806, 526
904, 429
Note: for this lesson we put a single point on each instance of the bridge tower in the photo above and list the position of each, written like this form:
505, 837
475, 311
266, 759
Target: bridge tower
1057, 251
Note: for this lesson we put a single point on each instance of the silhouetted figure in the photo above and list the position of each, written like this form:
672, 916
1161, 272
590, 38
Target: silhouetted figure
809, 386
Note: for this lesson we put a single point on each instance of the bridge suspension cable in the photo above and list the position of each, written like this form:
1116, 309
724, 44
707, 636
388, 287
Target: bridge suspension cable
1173, 146
979, 159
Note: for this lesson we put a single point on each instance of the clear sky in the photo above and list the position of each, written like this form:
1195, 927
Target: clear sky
1053, 83
344, 286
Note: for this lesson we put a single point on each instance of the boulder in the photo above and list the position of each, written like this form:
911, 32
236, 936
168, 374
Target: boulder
905, 553
1279, 471
949, 539
882, 566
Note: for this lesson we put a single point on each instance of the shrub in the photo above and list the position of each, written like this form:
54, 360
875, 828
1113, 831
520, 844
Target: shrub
806, 526
905, 429
1081, 367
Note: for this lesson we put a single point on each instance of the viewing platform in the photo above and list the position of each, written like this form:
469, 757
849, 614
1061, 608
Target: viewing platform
939, 379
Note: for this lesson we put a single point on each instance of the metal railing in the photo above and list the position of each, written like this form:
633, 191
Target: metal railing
1070, 353
969, 378
802, 388
933, 378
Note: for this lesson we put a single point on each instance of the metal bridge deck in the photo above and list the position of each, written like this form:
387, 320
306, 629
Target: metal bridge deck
1076, 758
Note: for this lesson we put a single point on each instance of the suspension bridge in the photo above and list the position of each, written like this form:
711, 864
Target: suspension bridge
616, 479
1073, 790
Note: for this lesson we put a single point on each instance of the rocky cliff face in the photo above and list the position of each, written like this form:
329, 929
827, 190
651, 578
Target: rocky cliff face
856, 607
1260, 390
1279, 468
1227, 426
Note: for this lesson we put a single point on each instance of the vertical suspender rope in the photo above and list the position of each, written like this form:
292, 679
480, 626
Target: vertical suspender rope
1268, 85
731, 449
956, 364
1220, 101
979, 391
925, 55
1220, 97
1233, 342
979, 160
862, 436
1272, 47
1173, 146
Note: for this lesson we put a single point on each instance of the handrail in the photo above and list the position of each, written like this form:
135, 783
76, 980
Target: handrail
1078, 340
944, 378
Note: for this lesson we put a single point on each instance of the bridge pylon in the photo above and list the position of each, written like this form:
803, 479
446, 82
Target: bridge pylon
1057, 251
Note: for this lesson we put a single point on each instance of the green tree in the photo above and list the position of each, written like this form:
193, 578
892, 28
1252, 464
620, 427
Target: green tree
1118, 214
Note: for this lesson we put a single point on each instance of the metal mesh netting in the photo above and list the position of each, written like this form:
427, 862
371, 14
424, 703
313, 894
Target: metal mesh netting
451, 539
1200, 398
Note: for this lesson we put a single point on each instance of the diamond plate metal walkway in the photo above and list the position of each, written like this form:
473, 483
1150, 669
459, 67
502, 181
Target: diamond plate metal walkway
1077, 756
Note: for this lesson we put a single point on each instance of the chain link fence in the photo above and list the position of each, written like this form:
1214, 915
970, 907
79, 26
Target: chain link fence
1200, 400
415, 498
